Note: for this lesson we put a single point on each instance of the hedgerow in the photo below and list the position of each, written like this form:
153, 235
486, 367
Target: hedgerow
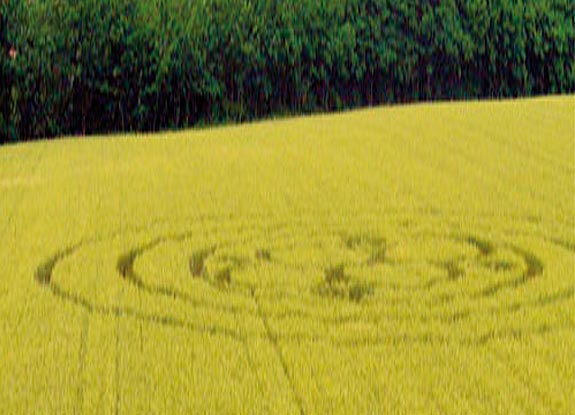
90, 66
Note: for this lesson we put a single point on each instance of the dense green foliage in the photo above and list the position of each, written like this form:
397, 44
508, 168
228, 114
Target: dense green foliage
85, 66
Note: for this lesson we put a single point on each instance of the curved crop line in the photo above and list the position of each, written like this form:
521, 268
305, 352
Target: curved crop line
484, 247
451, 267
455, 272
534, 268
125, 267
44, 276
448, 317
517, 333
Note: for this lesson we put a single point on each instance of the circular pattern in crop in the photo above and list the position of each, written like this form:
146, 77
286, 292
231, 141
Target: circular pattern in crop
359, 283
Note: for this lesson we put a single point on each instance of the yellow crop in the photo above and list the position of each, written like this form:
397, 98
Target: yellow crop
416, 259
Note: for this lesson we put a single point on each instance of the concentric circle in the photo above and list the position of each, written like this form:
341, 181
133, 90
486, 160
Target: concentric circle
362, 282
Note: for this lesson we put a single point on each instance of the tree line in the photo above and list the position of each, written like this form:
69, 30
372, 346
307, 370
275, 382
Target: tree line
92, 66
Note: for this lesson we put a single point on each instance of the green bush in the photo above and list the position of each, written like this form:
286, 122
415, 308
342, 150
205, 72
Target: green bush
87, 66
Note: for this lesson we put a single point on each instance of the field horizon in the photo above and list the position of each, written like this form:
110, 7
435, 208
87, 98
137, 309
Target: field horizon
274, 118
399, 259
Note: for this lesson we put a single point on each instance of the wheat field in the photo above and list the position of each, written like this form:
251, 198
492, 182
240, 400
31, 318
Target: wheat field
415, 259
